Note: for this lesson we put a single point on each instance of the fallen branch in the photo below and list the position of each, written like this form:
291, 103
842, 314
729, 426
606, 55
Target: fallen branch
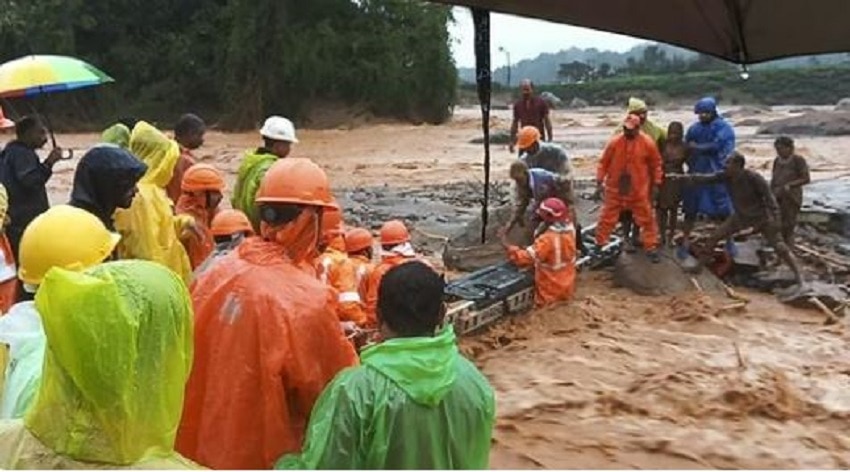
830, 316
732, 307
696, 285
741, 363
731, 293
824, 258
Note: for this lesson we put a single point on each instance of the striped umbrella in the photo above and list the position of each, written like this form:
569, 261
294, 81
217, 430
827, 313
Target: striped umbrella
35, 75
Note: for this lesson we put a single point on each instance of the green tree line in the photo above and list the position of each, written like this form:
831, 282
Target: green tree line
654, 60
240, 60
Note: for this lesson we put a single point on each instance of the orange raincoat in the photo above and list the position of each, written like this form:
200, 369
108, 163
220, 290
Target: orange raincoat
8, 279
373, 282
198, 247
267, 342
553, 256
363, 268
337, 270
637, 162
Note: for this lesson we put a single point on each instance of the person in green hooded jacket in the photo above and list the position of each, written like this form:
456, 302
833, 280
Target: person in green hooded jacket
414, 402
278, 137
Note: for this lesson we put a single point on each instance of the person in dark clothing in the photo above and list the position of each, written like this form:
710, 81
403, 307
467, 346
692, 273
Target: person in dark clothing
754, 207
25, 176
790, 174
105, 180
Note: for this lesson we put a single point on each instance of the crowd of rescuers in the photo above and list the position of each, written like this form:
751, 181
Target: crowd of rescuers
642, 182
144, 326
214, 363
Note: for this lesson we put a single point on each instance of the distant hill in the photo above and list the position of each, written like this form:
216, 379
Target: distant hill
544, 68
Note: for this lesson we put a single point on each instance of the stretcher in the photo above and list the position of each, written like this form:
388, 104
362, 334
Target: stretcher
479, 299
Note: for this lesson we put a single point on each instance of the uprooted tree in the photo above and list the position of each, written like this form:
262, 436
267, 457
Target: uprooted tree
242, 59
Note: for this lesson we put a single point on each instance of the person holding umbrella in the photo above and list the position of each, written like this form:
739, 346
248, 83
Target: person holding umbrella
25, 176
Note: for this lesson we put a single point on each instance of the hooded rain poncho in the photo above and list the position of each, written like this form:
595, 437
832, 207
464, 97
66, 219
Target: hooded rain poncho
251, 172
715, 141
267, 342
117, 134
119, 350
415, 403
103, 178
149, 229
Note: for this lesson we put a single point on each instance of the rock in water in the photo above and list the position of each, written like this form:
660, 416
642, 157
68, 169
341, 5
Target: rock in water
640, 275
843, 105
810, 124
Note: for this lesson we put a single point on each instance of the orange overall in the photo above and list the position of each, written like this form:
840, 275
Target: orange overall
337, 270
373, 283
629, 168
553, 256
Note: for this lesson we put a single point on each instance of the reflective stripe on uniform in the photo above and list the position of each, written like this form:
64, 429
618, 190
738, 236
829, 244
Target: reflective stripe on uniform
531, 252
326, 266
559, 257
349, 297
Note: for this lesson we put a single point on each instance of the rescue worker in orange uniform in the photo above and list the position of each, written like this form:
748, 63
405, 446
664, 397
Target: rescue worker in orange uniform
359, 246
229, 228
267, 338
338, 271
553, 255
202, 188
630, 159
396, 250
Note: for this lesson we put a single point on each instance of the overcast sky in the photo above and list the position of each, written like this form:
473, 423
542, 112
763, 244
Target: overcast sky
526, 38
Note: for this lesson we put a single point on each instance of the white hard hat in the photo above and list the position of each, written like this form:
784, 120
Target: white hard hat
279, 129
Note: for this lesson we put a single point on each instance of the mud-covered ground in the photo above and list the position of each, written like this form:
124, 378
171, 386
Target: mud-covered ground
611, 379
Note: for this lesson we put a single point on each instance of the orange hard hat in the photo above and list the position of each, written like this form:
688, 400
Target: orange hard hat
357, 240
332, 221
228, 222
295, 180
394, 232
5, 123
528, 136
552, 210
201, 178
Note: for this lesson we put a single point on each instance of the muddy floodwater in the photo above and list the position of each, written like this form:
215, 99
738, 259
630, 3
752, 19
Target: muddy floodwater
611, 380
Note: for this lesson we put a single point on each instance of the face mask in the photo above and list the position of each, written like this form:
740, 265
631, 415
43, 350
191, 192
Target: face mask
299, 238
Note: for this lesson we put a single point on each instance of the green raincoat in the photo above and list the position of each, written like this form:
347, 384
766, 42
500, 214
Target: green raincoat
117, 134
248, 179
414, 403
119, 351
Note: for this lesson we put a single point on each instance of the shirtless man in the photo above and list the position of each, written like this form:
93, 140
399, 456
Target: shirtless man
790, 174
754, 207
673, 154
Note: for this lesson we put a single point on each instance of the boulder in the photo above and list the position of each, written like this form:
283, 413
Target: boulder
747, 110
496, 137
843, 105
749, 122
810, 124
577, 103
668, 277
551, 99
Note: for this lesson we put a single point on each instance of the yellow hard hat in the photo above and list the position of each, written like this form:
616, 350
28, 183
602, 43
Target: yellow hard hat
66, 237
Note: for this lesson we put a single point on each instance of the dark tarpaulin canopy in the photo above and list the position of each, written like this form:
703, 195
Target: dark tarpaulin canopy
739, 31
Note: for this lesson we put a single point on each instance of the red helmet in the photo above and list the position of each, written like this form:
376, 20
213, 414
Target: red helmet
553, 210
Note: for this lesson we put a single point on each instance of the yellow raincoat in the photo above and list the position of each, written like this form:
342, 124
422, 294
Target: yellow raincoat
149, 229
119, 351
254, 166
